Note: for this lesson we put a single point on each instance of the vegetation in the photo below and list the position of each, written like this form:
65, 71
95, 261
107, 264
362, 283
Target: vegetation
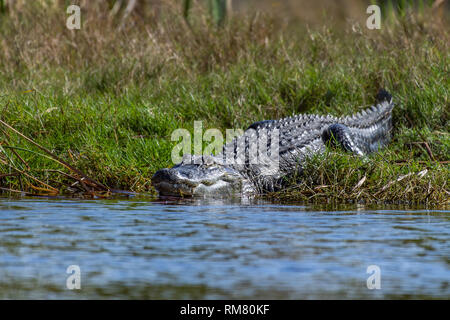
105, 99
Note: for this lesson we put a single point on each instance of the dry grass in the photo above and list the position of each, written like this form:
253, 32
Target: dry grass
139, 45
342, 178
80, 183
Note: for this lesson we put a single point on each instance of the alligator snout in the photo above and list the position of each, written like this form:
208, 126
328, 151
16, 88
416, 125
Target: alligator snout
197, 180
162, 175
169, 182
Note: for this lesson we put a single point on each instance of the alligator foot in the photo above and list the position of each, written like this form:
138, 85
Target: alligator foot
340, 135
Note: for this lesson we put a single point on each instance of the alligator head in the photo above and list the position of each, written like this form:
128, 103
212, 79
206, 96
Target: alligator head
200, 176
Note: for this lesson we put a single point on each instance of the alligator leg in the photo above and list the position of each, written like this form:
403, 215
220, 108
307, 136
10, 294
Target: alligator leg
339, 135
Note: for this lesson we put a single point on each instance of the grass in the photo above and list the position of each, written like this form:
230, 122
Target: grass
105, 99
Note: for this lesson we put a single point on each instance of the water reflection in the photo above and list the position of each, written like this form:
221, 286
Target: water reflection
148, 248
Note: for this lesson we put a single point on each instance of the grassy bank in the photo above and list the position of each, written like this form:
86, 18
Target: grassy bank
105, 99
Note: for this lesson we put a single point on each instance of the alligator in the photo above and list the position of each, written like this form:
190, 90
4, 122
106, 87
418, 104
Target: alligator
297, 138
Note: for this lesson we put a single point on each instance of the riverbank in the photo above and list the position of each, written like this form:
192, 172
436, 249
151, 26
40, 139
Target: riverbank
106, 98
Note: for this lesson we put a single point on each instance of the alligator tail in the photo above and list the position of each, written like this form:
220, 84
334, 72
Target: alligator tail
371, 128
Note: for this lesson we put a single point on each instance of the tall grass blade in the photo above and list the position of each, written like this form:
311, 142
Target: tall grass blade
218, 10
186, 8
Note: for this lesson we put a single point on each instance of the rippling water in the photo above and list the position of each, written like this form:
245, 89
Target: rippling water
155, 250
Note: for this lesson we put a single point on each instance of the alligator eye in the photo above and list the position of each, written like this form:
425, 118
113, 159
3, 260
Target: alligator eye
207, 182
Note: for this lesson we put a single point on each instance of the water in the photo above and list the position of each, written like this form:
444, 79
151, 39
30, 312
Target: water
200, 250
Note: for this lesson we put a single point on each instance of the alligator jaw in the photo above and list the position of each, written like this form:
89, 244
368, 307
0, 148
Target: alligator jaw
200, 181
167, 183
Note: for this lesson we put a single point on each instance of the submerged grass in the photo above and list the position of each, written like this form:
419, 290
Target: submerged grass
105, 99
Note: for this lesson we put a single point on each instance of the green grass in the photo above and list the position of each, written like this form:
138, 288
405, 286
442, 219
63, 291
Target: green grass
106, 98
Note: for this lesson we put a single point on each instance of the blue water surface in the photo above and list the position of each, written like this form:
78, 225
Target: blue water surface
144, 249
